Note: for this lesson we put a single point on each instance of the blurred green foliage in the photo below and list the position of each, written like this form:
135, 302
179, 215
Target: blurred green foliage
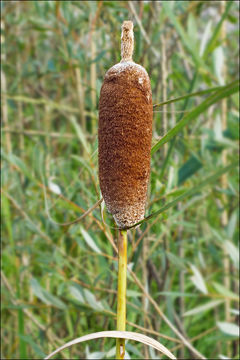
59, 282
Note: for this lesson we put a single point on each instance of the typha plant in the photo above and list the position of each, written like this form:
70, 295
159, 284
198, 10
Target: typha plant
124, 137
125, 133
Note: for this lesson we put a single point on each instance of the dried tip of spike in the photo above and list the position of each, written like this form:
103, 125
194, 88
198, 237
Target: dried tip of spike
127, 25
127, 41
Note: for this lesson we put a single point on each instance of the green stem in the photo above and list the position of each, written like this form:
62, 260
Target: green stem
121, 294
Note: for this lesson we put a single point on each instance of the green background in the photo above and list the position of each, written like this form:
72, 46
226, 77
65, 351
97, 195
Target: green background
59, 282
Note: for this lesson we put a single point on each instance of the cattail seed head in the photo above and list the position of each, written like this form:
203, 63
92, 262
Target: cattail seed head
124, 136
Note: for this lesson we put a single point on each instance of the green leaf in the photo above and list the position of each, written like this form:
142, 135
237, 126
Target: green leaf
83, 162
212, 42
194, 190
76, 292
95, 355
194, 94
89, 240
177, 294
177, 261
80, 134
223, 357
99, 56
29, 340
16, 161
218, 62
232, 224
228, 328
21, 326
232, 251
224, 291
45, 296
133, 293
205, 37
199, 309
198, 280
7, 217
192, 115
188, 169
186, 40
92, 301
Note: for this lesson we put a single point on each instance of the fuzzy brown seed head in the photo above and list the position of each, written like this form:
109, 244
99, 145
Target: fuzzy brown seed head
124, 136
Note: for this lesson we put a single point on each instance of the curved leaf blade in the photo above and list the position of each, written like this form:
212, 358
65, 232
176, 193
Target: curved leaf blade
118, 335
219, 95
197, 93
190, 192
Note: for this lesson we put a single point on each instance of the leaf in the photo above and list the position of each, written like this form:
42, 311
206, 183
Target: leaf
235, 311
112, 353
192, 29
80, 133
94, 355
198, 280
232, 224
54, 187
187, 96
29, 340
188, 169
45, 296
37, 290
16, 161
177, 261
209, 305
188, 193
186, 40
89, 240
175, 193
92, 301
205, 37
216, 33
232, 251
7, 219
53, 300
117, 335
224, 291
176, 294
192, 115
153, 354
218, 129
133, 293
76, 293
217, 234
83, 162
133, 349
99, 56
218, 61
229, 328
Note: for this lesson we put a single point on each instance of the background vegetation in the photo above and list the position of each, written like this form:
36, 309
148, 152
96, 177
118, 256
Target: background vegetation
59, 282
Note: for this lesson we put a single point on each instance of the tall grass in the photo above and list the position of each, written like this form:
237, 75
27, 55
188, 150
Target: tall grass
59, 283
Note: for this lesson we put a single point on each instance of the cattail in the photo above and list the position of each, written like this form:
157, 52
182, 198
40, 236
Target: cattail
125, 133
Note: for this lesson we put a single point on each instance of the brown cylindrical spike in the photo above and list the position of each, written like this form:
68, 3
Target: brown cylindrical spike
124, 135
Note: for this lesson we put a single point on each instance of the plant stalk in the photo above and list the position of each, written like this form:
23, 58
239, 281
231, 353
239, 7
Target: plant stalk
121, 293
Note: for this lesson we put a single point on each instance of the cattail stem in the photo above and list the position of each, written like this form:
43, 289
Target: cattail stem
121, 293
